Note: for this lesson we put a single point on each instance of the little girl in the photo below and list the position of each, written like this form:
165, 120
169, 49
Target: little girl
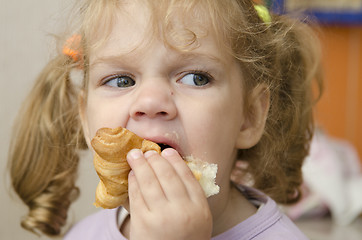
218, 80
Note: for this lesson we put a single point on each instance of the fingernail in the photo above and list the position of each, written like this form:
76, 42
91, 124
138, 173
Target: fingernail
150, 153
135, 153
168, 152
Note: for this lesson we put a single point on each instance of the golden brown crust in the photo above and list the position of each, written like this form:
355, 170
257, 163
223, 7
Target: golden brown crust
111, 147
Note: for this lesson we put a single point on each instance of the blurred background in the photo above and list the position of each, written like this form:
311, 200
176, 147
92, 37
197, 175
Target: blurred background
332, 206
26, 41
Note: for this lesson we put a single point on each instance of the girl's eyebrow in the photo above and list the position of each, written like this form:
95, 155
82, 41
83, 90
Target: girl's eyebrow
201, 56
109, 60
128, 59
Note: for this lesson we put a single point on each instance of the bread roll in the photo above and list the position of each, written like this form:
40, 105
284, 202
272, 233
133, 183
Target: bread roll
111, 147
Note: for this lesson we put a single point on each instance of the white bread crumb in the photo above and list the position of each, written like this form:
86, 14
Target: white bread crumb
205, 173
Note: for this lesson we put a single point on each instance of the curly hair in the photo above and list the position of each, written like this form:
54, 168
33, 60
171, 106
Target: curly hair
285, 55
282, 54
43, 160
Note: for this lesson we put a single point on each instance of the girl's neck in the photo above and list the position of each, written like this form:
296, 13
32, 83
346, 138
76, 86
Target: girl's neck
236, 210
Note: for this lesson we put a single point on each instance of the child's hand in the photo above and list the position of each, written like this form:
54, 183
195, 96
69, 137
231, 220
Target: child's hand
166, 201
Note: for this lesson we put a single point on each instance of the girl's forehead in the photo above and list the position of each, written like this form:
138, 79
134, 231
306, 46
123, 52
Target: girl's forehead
136, 24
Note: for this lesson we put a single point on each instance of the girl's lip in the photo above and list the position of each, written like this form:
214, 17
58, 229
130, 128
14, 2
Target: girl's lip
166, 141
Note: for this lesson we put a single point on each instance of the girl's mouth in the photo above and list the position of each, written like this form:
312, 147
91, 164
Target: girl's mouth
163, 146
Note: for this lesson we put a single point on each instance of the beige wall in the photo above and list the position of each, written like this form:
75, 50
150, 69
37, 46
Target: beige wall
25, 48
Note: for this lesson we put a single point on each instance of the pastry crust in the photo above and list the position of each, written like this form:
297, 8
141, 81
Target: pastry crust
111, 147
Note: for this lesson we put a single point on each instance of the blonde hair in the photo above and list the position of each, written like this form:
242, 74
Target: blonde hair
43, 158
283, 54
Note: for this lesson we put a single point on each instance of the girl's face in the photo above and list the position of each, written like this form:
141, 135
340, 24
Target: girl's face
190, 100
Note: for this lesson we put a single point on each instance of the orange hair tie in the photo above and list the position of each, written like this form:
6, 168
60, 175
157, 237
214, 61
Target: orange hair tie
72, 47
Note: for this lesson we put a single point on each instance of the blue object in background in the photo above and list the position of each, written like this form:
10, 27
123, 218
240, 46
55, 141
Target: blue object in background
342, 17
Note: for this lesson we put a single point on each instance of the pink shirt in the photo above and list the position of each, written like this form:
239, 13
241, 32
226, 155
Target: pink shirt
268, 223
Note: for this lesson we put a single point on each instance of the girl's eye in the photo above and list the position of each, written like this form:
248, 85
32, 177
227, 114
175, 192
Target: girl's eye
120, 81
195, 79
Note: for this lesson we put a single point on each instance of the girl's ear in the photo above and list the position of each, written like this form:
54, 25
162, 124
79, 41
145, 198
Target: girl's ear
82, 108
255, 117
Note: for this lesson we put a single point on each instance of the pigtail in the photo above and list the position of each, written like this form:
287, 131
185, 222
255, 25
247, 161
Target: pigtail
290, 124
43, 160
283, 54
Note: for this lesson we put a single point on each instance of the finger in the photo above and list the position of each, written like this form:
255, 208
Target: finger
191, 184
136, 201
146, 179
173, 187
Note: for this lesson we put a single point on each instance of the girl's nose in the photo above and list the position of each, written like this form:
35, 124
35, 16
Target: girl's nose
153, 100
